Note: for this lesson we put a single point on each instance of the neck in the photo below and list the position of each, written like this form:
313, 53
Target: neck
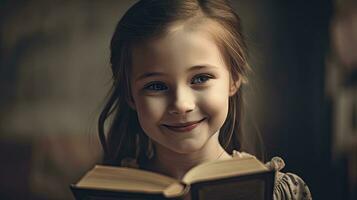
176, 164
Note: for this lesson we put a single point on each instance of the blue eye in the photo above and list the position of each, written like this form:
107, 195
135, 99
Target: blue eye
155, 86
201, 79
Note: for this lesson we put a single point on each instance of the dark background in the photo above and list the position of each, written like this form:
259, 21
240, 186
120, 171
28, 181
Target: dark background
54, 70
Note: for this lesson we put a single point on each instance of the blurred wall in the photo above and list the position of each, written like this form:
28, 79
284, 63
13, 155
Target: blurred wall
54, 77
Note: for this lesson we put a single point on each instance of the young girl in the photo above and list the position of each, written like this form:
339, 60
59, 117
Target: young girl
178, 68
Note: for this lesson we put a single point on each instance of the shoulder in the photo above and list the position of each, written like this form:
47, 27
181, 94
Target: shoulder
288, 185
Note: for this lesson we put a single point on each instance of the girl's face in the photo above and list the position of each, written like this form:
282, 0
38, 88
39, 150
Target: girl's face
180, 87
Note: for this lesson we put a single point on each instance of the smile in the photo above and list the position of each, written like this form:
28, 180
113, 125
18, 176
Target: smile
184, 127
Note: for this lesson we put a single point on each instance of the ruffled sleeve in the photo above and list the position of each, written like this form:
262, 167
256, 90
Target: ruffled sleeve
288, 185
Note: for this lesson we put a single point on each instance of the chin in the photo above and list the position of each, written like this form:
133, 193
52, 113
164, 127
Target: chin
186, 147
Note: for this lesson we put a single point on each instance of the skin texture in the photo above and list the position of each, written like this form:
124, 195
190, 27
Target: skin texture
180, 87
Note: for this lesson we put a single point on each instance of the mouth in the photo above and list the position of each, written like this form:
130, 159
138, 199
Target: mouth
183, 127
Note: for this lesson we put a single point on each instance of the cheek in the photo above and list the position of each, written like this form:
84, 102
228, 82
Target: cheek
215, 102
150, 109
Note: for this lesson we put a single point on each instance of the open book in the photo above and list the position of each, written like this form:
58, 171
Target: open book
232, 179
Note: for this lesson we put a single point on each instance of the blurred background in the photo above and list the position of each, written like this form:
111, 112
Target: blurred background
54, 75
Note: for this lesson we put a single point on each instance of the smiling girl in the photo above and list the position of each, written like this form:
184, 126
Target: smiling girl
178, 68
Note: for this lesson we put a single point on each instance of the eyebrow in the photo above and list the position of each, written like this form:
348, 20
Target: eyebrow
198, 67
193, 68
149, 74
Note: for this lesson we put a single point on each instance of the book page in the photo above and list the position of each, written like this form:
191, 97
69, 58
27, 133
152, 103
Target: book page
224, 168
127, 179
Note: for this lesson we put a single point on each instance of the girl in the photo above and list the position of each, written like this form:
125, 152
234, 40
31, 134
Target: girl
178, 68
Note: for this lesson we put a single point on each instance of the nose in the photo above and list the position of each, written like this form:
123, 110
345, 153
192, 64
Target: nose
183, 102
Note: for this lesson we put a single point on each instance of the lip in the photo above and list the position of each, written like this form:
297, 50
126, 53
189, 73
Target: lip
183, 127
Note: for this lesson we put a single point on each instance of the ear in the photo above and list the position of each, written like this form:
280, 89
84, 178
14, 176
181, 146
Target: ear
234, 86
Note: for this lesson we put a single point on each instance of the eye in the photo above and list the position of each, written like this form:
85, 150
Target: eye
202, 78
155, 86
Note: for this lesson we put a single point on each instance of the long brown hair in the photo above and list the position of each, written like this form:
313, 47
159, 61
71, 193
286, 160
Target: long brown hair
148, 19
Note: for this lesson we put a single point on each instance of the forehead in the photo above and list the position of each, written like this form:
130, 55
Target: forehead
182, 46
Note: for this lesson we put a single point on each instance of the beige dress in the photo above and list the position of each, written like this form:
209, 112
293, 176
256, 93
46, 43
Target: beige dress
288, 186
